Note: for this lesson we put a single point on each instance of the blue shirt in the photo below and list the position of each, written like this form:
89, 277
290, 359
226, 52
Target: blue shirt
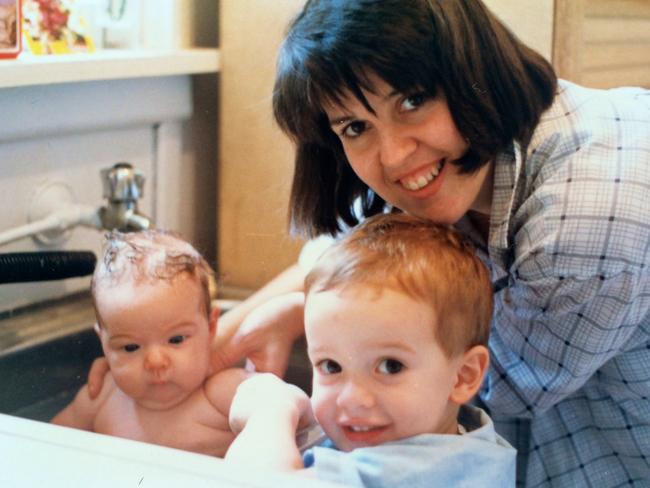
569, 254
479, 458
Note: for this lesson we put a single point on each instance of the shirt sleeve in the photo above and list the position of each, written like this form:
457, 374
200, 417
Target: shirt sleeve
577, 290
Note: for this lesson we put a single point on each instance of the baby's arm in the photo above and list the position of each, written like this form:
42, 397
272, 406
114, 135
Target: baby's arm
82, 411
266, 413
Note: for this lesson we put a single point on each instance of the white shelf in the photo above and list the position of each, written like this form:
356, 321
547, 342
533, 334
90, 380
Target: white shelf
105, 65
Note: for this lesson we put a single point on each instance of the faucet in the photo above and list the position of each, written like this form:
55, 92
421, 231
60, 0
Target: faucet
54, 215
123, 187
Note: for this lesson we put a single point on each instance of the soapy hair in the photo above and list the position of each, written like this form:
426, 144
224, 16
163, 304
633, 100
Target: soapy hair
429, 262
147, 257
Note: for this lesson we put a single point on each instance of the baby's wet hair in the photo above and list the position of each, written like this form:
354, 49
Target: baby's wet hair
150, 256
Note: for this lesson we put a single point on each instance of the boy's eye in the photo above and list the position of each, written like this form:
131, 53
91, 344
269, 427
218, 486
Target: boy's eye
354, 129
413, 101
327, 366
131, 347
177, 339
390, 366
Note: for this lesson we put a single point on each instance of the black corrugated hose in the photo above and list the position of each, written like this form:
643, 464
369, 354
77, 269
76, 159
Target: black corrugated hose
22, 267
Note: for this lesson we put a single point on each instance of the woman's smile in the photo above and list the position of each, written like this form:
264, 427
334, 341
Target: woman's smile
405, 151
422, 177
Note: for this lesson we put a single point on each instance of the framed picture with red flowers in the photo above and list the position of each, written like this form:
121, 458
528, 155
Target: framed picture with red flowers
10, 38
55, 27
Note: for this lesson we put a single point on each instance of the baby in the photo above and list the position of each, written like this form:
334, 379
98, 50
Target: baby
155, 323
397, 317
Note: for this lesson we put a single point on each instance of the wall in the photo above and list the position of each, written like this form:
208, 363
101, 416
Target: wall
63, 134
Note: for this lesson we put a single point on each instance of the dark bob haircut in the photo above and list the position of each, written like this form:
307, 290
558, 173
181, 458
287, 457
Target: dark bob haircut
496, 88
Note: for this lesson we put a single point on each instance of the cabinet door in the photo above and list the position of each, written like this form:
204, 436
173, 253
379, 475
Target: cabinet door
255, 158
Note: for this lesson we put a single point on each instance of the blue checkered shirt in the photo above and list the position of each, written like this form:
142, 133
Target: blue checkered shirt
569, 252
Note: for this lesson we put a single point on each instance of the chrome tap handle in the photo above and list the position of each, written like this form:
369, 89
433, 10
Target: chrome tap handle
122, 183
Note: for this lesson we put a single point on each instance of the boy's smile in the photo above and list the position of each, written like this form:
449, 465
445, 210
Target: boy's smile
379, 374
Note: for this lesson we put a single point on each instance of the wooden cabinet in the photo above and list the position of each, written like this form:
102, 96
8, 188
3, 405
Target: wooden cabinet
603, 43
598, 43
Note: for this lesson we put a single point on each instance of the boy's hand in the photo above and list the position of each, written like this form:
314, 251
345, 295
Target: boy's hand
266, 395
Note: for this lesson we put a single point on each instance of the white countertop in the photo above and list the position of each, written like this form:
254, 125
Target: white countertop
37, 454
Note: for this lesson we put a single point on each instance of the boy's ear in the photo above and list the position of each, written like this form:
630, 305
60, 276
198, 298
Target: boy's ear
214, 317
470, 374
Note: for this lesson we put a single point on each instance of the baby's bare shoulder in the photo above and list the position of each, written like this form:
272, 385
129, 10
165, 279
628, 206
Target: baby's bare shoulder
220, 387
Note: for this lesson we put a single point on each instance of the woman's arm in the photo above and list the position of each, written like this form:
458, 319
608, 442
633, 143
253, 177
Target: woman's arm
267, 336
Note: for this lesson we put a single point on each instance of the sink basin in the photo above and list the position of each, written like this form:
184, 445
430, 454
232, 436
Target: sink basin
40, 380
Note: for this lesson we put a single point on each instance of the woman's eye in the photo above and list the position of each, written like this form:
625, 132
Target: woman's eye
354, 129
413, 101
390, 366
328, 366
131, 347
177, 339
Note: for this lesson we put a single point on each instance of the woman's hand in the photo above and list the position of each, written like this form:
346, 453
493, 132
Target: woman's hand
265, 337
268, 396
96, 375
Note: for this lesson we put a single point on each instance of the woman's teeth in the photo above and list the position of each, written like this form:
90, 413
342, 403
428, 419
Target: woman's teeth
423, 179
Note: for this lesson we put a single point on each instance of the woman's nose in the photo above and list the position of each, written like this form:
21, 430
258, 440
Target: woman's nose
395, 146
356, 395
156, 360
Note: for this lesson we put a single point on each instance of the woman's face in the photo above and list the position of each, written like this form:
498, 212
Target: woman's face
404, 151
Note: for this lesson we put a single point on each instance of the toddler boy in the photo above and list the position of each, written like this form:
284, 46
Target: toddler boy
397, 317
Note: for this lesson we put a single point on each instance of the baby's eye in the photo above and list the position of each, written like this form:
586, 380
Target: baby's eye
354, 129
413, 101
327, 366
177, 339
131, 347
390, 366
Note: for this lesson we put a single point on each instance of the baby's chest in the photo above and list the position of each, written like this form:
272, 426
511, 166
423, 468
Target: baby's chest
193, 426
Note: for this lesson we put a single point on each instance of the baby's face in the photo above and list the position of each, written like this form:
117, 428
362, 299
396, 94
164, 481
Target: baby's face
379, 374
156, 338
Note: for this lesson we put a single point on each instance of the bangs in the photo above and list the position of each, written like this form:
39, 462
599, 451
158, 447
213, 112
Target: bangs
321, 66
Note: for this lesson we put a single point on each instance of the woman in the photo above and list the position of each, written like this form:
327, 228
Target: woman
434, 108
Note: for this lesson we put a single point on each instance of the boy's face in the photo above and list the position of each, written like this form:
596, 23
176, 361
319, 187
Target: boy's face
156, 338
379, 374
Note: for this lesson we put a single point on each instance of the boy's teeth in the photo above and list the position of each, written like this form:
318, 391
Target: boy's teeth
360, 428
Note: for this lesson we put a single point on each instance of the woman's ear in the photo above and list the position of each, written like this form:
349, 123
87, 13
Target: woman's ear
469, 376
214, 316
